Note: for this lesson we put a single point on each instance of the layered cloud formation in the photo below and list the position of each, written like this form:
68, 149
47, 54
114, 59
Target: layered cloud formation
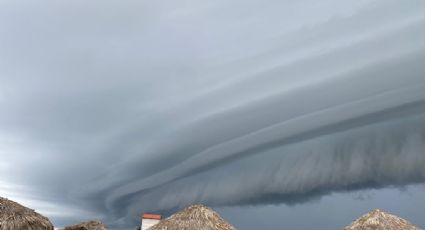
119, 108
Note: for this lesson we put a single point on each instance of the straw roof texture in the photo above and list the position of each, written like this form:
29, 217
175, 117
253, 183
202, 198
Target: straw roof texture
379, 220
14, 216
196, 217
88, 225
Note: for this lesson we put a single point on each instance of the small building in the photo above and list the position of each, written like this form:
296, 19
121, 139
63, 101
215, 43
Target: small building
149, 220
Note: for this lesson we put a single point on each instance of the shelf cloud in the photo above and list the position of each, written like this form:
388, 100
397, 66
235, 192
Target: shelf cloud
116, 109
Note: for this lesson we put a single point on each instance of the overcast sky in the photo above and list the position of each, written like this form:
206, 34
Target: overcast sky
282, 110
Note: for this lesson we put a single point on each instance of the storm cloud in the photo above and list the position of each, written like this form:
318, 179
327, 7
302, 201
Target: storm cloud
110, 109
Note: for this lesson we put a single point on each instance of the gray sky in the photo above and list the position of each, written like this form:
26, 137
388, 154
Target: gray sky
278, 110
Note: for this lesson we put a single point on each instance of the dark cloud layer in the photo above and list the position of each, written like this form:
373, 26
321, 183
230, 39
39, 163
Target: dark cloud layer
110, 109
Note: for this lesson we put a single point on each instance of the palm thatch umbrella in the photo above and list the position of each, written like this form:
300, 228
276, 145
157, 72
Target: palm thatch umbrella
14, 216
88, 225
380, 220
196, 217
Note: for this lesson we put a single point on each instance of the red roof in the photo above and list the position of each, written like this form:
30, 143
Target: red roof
151, 216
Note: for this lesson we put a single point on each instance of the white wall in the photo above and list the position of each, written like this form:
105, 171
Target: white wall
147, 223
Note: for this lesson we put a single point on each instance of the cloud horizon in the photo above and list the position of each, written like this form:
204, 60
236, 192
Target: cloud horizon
113, 109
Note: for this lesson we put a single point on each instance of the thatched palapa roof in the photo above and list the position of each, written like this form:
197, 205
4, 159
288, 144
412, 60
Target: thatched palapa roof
379, 220
88, 225
196, 217
14, 216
